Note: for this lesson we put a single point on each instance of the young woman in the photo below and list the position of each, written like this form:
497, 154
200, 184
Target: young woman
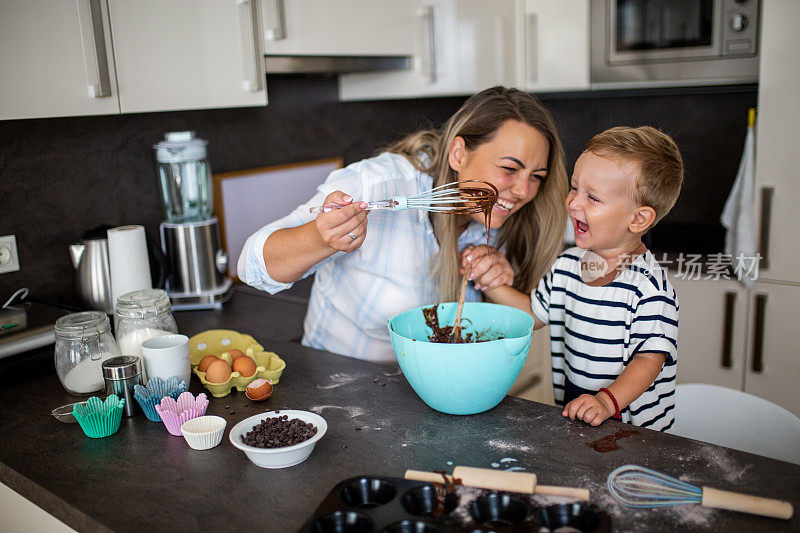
368, 272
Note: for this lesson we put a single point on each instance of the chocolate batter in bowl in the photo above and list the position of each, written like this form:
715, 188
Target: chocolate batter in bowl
463, 378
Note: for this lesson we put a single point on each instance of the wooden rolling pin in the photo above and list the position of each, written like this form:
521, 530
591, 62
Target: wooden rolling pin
484, 478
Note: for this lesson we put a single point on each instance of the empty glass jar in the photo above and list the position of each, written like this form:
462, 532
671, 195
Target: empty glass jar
142, 315
83, 342
184, 176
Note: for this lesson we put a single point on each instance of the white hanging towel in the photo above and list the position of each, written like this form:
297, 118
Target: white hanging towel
738, 215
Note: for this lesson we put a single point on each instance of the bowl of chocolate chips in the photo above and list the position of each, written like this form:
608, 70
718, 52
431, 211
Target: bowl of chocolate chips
278, 439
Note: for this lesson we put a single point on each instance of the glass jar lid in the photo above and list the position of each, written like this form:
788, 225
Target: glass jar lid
79, 325
143, 303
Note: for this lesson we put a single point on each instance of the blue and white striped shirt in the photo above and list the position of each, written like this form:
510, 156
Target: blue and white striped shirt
596, 331
354, 294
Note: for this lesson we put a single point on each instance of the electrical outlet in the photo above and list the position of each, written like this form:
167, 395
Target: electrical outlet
9, 259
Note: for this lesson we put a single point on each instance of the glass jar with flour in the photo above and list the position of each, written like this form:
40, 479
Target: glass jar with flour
83, 342
142, 315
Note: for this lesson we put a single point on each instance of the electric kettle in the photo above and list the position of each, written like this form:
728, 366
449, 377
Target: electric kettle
92, 273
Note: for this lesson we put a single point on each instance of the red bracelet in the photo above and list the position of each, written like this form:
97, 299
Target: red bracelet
617, 414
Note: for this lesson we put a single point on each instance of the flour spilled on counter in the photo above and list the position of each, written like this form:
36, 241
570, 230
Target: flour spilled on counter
337, 380
352, 411
730, 468
509, 446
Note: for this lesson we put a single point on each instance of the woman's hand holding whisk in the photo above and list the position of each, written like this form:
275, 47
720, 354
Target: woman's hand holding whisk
343, 229
490, 268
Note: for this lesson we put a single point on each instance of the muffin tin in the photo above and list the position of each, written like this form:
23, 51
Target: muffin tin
367, 504
220, 342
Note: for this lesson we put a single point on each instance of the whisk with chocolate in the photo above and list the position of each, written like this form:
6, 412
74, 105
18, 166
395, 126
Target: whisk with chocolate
457, 197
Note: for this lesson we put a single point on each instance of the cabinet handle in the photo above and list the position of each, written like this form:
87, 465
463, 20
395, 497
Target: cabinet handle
767, 193
727, 338
95, 59
531, 48
757, 364
274, 20
428, 41
500, 50
247, 14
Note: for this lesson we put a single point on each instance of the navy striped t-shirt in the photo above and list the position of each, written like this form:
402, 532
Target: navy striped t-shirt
596, 331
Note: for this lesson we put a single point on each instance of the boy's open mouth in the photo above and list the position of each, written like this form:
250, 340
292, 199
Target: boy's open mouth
581, 227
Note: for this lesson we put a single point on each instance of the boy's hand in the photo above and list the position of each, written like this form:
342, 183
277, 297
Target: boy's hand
591, 409
490, 268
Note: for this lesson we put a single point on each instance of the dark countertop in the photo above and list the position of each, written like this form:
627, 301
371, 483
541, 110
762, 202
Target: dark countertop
143, 479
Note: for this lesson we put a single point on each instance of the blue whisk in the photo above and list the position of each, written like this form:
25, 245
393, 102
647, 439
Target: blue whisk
636, 486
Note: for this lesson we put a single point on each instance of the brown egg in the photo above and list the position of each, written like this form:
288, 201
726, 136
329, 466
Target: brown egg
218, 371
235, 354
205, 361
258, 390
245, 366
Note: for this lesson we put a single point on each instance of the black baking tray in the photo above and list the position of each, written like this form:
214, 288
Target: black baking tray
365, 504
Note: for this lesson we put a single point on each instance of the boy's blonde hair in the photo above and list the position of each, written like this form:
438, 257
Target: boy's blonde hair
660, 165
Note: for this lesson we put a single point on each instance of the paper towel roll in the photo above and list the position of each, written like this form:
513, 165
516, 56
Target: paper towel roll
128, 260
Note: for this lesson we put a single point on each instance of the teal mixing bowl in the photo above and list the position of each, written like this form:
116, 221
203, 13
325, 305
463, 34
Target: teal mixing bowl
468, 378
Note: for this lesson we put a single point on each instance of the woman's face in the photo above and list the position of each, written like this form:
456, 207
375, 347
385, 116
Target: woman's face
514, 161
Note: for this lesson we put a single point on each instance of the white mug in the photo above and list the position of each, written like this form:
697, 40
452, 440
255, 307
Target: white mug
166, 356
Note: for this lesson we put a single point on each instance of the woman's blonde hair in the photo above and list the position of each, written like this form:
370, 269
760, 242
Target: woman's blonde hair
659, 164
532, 237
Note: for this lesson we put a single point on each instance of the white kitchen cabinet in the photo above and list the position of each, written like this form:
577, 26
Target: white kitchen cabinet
458, 46
739, 338
773, 358
187, 54
777, 157
55, 59
343, 27
712, 329
94, 57
553, 45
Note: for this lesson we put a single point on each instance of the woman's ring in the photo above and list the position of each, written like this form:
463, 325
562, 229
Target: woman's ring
352, 235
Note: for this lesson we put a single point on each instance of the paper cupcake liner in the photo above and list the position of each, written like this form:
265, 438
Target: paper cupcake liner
203, 432
150, 396
97, 418
175, 413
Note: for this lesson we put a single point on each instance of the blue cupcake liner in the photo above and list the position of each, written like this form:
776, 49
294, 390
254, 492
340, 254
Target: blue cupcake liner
150, 396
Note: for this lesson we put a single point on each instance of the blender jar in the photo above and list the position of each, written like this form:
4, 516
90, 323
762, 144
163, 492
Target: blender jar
83, 342
184, 176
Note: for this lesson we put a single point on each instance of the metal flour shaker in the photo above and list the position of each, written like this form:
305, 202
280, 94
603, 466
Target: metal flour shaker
121, 374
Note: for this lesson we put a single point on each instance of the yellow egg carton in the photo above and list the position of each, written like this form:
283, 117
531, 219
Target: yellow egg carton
220, 342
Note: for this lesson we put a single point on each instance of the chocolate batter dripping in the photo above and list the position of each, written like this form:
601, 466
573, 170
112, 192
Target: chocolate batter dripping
442, 492
609, 442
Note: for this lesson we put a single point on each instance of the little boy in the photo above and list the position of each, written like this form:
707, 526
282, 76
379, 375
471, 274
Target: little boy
613, 315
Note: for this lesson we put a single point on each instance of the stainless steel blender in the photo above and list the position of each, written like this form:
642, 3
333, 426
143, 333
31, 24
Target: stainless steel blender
190, 237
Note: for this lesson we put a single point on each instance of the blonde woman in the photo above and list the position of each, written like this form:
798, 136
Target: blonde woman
370, 266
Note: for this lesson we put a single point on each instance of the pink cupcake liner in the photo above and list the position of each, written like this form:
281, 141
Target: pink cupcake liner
174, 413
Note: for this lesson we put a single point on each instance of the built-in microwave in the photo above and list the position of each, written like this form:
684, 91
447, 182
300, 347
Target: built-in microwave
662, 42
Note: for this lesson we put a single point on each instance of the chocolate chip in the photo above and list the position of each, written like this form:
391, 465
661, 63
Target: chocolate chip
233, 412
279, 431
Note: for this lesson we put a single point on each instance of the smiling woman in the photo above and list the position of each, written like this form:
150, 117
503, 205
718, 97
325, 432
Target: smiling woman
367, 273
